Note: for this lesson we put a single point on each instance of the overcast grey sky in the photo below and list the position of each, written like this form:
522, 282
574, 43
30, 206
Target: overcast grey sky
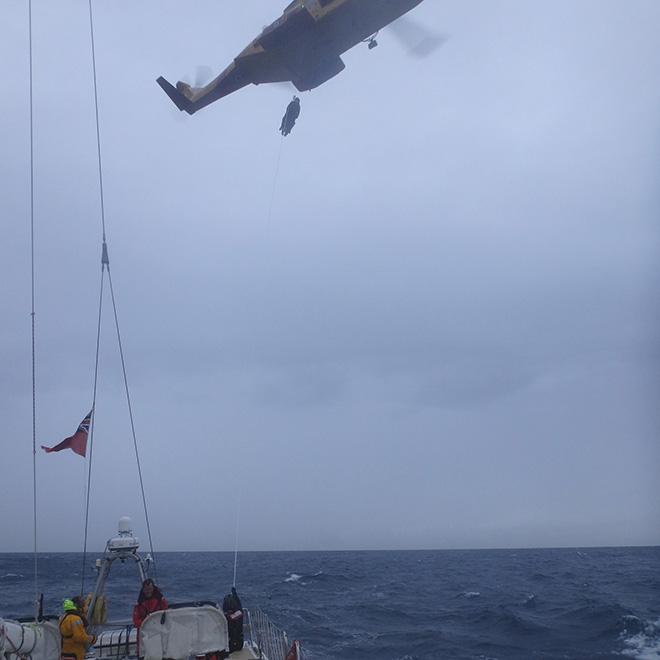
444, 335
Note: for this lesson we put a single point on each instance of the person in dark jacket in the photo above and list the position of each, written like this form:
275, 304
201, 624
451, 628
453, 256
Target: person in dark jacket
231, 606
150, 600
289, 120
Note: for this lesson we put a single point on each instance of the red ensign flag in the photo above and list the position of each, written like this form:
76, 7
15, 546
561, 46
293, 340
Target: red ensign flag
77, 442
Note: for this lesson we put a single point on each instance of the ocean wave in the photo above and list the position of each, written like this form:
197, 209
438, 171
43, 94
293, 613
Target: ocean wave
501, 620
629, 624
540, 577
641, 639
530, 600
607, 618
388, 605
304, 579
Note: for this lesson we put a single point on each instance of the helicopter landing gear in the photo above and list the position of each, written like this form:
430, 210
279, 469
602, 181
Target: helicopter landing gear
371, 41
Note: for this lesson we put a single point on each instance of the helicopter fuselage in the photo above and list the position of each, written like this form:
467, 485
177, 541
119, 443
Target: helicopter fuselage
303, 46
307, 43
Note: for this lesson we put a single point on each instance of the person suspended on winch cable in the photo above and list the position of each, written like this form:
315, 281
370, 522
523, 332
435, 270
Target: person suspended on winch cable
73, 629
231, 606
289, 120
150, 600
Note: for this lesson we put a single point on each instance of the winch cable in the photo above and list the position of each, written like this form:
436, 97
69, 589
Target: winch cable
105, 265
274, 188
270, 214
32, 316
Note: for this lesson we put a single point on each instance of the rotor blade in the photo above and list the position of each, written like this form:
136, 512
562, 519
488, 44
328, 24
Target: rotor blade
203, 75
417, 40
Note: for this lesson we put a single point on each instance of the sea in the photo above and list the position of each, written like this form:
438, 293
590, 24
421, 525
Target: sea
396, 605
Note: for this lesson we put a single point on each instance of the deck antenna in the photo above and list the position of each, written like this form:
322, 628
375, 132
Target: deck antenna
32, 315
105, 267
238, 516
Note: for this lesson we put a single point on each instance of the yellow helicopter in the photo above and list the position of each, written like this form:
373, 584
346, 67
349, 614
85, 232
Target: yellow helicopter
303, 46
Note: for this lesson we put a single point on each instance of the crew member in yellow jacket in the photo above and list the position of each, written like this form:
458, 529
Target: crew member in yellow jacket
75, 639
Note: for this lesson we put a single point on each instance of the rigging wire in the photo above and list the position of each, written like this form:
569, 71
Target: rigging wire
130, 407
32, 316
96, 110
98, 332
105, 265
91, 430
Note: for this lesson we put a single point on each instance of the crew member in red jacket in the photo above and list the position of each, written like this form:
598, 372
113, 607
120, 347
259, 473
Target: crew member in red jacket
150, 600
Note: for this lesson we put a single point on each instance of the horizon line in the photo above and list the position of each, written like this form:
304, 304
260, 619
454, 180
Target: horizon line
280, 550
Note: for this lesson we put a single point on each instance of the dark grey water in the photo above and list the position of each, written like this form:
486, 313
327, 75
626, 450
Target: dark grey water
426, 605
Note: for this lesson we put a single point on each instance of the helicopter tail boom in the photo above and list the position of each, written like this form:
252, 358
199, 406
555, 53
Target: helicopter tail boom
181, 102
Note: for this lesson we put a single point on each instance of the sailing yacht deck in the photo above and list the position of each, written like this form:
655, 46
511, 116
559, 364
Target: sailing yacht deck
201, 629
246, 653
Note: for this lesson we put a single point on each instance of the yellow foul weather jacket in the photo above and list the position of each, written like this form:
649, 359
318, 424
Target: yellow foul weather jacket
75, 639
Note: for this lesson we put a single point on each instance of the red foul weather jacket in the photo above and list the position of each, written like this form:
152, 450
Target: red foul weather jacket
142, 610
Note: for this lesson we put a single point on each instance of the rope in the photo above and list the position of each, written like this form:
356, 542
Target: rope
19, 650
32, 316
16, 647
91, 431
130, 413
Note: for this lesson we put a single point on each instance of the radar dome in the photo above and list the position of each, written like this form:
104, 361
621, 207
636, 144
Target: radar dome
125, 525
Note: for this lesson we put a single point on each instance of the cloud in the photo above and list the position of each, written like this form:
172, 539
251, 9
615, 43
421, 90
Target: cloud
313, 385
447, 314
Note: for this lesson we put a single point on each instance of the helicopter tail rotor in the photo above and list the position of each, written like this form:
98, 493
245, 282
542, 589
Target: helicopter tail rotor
203, 75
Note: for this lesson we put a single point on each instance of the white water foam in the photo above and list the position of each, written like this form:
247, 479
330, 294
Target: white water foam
472, 594
294, 577
645, 645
